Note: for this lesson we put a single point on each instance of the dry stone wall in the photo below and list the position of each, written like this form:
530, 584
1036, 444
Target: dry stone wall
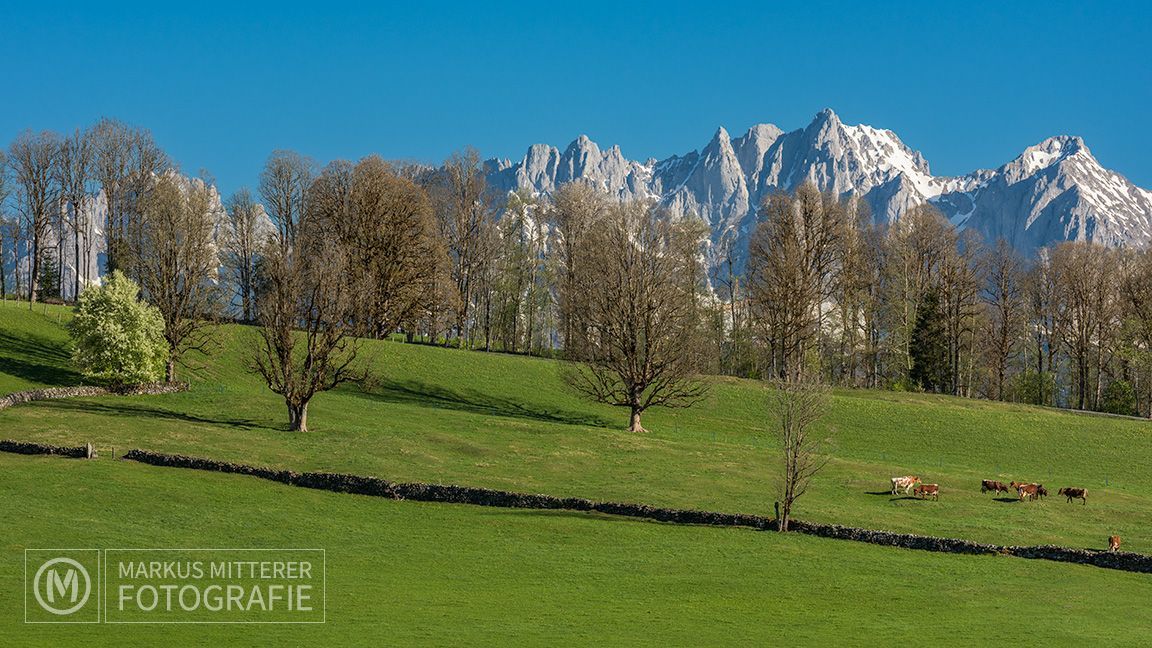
51, 393
374, 486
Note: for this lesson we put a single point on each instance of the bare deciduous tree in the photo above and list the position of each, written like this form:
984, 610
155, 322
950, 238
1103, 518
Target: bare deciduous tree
795, 408
305, 308
575, 205
1084, 306
245, 237
75, 177
127, 162
1004, 299
1136, 295
177, 259
385, 225
961, 276
464, 214
5, 235
631, 304
1040, 290
792, 264
33, 158
284, 184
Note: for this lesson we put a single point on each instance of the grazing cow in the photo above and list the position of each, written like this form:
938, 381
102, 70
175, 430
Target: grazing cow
1026, 491
904, 483
1041, 491
993, 486
1074, 493
924, 490
1113, 543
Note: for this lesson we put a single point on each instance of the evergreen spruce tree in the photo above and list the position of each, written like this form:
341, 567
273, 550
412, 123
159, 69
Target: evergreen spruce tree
929, 347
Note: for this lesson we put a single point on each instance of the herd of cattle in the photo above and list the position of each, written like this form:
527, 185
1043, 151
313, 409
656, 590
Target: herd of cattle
911, 484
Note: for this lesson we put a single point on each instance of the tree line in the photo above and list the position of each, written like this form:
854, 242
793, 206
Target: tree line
322, 257
917, 304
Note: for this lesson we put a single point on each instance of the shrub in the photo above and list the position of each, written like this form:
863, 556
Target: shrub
1119, 398
1031, 387
118, 338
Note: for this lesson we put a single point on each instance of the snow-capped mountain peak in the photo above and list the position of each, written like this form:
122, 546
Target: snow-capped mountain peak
1054, 191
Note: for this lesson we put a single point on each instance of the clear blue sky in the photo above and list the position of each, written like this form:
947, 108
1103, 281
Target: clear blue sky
968, 84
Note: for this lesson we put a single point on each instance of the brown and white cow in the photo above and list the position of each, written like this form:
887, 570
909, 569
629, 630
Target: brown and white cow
1026, 490
993, 486
1113, 543
904, 483
924, 490
1074, 493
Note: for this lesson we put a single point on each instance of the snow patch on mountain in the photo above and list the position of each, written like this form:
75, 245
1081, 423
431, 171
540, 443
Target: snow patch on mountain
1054, 191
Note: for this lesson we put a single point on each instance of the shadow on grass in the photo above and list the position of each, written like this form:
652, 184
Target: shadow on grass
1006, 500
36, 359
468, 400
146, 412
878, 492
582, 515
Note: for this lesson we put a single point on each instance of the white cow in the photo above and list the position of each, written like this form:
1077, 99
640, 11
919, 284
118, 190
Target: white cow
904, 484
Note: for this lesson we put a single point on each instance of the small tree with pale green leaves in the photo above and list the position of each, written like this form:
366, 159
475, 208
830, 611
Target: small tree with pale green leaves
118, 338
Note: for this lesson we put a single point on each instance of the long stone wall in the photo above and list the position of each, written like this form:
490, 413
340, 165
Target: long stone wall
21, 447
374, 486
51, 393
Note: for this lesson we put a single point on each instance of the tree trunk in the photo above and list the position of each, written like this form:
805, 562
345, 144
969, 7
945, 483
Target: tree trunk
635, 426
298, 417
34, 274
170, 370
76, 265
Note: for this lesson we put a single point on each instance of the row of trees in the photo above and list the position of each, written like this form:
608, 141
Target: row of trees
369, 249
53, 186
832, 297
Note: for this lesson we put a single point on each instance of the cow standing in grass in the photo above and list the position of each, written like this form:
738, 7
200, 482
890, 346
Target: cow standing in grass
1114, 543
925, 490
989, 485
1074, 493
904, 484
1026, 491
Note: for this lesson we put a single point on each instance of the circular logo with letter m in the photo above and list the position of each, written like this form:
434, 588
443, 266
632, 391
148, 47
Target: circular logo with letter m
63, 585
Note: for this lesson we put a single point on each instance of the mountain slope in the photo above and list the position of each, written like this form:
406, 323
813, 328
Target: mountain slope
1055, 191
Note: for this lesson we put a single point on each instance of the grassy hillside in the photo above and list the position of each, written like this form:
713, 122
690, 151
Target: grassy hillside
508, 422
33, 347
406, 573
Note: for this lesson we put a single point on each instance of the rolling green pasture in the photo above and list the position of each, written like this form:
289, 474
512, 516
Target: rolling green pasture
408, 573
508, 422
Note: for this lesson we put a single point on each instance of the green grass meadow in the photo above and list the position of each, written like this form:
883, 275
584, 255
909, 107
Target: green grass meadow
415, 573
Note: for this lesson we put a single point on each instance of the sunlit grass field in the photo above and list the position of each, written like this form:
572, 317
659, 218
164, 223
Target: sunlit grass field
409, 573
508, 422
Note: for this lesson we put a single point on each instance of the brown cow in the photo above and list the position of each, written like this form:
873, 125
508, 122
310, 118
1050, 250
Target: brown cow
1113, 543
1026, 491
1041, 491
993, 486
1074, 493
923, 490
